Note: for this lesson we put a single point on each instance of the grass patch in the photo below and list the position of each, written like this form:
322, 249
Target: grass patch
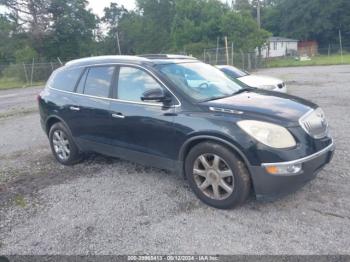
315, 61
20, 201
18, 112
10, 83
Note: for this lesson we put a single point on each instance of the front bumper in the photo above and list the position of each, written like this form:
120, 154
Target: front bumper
270, 186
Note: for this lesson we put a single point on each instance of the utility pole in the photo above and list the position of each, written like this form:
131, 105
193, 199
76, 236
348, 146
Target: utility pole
232, 54
118, 43
217, 51
341, 46
258, 16
227, 55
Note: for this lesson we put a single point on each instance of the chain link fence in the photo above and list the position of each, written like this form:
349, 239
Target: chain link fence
251, 61
220, 56
37, 72
26, 74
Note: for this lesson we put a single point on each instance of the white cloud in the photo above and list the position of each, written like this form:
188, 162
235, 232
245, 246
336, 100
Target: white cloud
98, 5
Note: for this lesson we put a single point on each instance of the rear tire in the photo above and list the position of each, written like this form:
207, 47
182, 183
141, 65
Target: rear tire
217, 176
63, 146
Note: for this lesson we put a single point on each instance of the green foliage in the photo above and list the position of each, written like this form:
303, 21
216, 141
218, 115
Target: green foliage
25, 54
243, 31
309, 20
175, 25
197, 21
11, 40
242, 5
72, 30
14, 71
67, 29
315, 61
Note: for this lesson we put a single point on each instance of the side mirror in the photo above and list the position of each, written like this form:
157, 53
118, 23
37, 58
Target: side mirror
156, 95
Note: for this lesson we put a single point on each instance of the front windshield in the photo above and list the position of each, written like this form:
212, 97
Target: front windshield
200, 81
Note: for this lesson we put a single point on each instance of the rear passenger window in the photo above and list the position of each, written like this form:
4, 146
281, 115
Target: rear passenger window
65, 80
98, 81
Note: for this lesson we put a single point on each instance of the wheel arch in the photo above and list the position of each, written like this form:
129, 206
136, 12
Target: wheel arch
191, 142
51, 120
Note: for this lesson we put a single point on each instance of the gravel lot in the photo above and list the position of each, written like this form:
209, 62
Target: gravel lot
109, 206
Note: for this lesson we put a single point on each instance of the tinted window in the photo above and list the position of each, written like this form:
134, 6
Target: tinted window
65, 79
98, 81
133, 82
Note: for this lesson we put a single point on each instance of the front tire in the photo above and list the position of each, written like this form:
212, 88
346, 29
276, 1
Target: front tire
217, 176
63, 146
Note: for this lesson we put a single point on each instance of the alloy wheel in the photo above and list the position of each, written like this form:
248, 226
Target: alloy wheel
61, 145
213, 176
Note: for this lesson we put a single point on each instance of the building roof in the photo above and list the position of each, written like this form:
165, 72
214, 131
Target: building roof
281, 39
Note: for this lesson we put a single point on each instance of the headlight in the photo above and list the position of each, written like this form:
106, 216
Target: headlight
268, 87
269, 134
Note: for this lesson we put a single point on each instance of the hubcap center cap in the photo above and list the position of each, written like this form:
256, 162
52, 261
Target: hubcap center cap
213, 175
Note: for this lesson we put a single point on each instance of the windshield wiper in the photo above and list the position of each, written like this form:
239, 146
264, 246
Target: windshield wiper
244, 89
213, 98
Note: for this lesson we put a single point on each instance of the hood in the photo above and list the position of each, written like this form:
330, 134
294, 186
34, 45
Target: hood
258, 81
272, 106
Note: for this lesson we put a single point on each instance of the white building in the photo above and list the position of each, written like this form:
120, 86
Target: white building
279, 46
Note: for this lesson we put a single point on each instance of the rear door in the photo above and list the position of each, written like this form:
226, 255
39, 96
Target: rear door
144, 128
91, 126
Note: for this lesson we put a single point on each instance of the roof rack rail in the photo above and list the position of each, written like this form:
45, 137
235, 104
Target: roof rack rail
167, 56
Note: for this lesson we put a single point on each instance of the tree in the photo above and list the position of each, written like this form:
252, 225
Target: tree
32, 15
113, 14
146, 30
157, 17
11, 40
309, 20
196, 24
243, 31
72, 31
242, 5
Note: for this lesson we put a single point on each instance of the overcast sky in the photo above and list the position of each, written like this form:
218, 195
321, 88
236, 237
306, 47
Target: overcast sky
98, 5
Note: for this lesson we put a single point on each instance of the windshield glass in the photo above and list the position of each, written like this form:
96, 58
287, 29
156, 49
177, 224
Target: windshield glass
200, 81
233, 72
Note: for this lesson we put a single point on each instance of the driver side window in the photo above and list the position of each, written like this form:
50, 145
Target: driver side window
133, 82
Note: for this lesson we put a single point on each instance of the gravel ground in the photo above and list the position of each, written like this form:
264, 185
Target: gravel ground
19, 101
109, 206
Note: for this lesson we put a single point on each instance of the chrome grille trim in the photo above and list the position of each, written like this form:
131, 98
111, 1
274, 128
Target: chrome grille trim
310, 129
224, 110
330, 147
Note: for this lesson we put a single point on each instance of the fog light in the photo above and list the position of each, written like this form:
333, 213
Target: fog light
291, 169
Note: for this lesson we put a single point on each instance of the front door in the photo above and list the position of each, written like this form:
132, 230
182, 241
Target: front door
143, 129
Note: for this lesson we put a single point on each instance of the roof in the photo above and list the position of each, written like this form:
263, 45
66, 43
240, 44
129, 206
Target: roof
104, 59
281, 39
151, 59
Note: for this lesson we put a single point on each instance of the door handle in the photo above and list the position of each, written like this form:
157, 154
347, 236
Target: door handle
118, 115
74, 108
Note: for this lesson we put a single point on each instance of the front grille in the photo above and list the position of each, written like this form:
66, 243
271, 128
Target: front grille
315, 124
